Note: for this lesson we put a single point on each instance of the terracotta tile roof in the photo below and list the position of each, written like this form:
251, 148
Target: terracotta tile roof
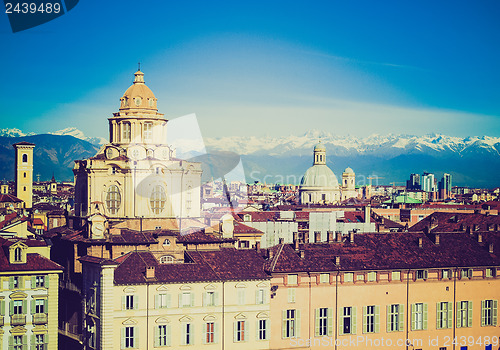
133, 237
224, 264
240, 228
8, 198
8, 219
46, 207
37, 221
454, 222
373, 251
201, 237
96, 260
34, 261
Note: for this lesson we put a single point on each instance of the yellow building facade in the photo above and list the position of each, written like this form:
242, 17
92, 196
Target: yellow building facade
29, 287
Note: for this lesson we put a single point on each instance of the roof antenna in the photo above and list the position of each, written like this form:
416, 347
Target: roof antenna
139, 63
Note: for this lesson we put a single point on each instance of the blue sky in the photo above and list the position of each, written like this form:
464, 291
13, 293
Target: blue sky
262, 67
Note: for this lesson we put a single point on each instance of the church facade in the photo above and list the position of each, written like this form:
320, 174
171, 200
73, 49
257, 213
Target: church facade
135, 175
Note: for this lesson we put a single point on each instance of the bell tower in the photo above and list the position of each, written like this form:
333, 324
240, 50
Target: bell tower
24, 172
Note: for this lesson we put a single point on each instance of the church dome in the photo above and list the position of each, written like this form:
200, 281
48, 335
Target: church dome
138, 96
319, 176
320, 147
348, 170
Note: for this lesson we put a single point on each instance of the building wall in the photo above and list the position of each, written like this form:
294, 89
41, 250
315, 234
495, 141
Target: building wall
310, 294
27, 293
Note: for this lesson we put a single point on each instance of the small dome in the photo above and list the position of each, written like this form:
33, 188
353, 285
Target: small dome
348, 170
138, 96
319, 176
320, 147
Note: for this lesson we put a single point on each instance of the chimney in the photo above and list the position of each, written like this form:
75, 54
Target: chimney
295, 241
270, 254
436, 239
351, 236
330, 236
420, 242
337, 261
317, 236
150, 272
301, 254
338, 237
490, 248
367, 214
479, 238
280, 241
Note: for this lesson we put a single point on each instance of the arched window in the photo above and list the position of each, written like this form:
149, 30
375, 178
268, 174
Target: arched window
113, 199
18, 254
25, 158
158, 199
166, 259
148, 132
166, 242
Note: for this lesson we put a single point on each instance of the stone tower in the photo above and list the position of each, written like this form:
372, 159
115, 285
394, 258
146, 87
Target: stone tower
24, 172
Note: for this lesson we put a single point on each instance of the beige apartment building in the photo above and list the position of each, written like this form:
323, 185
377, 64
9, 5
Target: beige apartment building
214, 299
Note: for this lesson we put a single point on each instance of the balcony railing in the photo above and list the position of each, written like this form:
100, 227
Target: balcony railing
39, 318
18, 320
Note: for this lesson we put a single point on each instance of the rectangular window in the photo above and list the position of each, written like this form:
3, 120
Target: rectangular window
370, 319
210, 298
260, 296
187, 336
129, 302
489, 273
348, 277
148, 132
489, 312
322, 321
446, 274
185, 299
40, 342
466, 273
39, 281
418, 316
241, 296
16, 282
17, 307
347, 320
210, 332
464, 314
163, 300
17, 342
129, 340
292, 279
372, 276
291, 295
396, 276
444, 315
39, 306
290, 323
421, 274
324, 278
126, 132
239, 331
395, 318
163, 336
263, 331
360, 277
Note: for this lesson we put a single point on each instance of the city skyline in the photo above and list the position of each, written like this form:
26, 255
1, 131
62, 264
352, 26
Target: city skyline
346, 68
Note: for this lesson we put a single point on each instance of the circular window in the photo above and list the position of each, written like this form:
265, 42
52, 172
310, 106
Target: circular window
113, 199
109, 153
138, 101
158, 199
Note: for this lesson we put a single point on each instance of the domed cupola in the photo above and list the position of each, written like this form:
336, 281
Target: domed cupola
138, 96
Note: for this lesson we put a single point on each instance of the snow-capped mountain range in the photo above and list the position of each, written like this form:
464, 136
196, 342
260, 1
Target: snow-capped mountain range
472, 161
